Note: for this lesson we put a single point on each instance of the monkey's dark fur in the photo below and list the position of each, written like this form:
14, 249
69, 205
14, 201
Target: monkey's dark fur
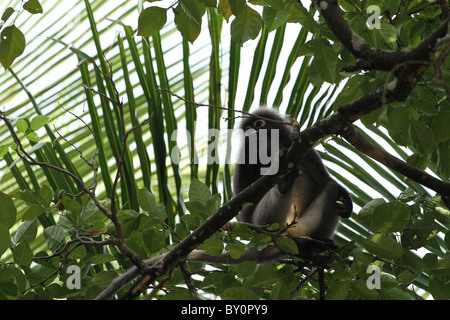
308, 190
308, 193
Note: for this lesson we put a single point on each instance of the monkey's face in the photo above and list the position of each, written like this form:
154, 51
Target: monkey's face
265, 134
267, 123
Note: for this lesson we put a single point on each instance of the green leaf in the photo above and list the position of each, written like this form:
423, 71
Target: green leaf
440, 127
421, 137
418, 160
12, 45
274, 18
198, 191
3, 151
447, 239
209, 3
264, 275
247, 268
246, 26
337, 290
154, 240
33, 6
395, 293
239, 294
32, 136
213, 204
193, 221
26, 232
151, 19
443, 154
439, 288
212, 279
188, 18
181, 294
416, 234
299, 14
5, 239
198, 209
78, 253
389, 217
442, 267
45, 194
383, 246
212, 246
160, 212
23, 254
430, 260
276, 4
287, 244
359, 287
38, 122
104, 278
146, 200
7, 14
388, 32
423, 100
365, 214
236, 249
398, 124
55, 236
236, 6
324, 64
33, 211
101, 258
8, 211
22, 125
224, 9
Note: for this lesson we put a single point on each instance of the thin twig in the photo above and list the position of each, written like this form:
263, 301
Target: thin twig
188, 280
300, 284
247, 114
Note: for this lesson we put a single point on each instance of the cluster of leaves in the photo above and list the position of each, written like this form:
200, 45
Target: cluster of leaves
420, 122
39, 229
244, 281
12, 40
246, 25
26, 129
32, 276
398, 228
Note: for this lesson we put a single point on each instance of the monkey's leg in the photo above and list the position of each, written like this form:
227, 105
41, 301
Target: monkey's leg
320, 219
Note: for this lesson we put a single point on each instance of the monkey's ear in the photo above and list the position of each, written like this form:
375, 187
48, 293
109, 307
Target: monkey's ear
345, 204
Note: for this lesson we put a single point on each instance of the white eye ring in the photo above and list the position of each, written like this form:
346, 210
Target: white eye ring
259, 123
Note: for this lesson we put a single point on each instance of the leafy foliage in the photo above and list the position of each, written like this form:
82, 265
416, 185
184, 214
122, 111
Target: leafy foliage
47, 224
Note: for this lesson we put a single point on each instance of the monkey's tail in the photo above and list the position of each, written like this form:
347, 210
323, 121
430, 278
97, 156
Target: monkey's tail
266, 255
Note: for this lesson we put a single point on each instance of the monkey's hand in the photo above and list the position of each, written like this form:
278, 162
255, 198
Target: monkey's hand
345, 204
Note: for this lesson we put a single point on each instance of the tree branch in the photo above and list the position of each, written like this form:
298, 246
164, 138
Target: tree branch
356, 139
368, 56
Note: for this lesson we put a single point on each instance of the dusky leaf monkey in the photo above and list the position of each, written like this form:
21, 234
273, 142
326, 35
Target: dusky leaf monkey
307, 195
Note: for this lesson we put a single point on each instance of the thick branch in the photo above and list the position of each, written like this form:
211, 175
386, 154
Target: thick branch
356, 139
368, 56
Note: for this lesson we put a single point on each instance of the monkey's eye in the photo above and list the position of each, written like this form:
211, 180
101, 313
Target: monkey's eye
259, 123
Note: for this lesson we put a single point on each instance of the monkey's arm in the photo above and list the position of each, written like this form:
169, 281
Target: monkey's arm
314, 168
